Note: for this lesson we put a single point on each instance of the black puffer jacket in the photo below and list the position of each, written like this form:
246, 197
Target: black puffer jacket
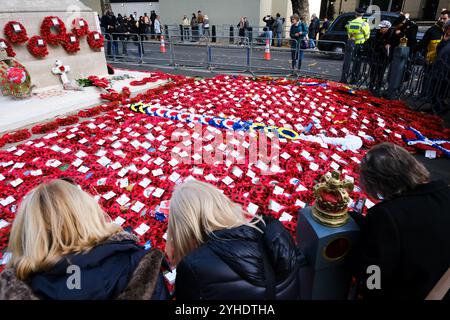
231, 265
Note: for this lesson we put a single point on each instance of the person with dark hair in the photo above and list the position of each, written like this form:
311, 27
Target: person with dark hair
123, 29
242, 27
406, 235
278, 28
313, 31
269, 21
442, 71
428, 46
200, 20
134, 29
194, 27
433, 36
404, 27
109, 23
147, 24
324, 27
152, 25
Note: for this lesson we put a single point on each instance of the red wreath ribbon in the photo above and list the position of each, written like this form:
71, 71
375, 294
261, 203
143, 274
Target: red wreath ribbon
13, 35
71, 43
46, 30
9, 49
95, 44
37, 48
80, 27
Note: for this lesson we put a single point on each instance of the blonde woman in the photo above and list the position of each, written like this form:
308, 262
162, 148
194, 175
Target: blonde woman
221, 254
64, 246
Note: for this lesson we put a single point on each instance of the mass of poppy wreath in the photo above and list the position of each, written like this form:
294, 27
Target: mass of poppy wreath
130, 163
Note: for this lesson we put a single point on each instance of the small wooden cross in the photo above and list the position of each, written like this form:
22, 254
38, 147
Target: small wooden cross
61, 70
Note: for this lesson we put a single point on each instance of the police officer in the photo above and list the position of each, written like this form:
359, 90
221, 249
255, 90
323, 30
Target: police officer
359, 30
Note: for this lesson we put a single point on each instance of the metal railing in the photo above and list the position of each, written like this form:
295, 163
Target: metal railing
400, 74
244, 56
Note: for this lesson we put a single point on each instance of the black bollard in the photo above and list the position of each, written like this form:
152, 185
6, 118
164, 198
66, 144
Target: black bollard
231, 35
250, 34
213, 33
181, 32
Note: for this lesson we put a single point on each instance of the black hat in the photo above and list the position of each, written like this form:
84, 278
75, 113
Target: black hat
400, 19
360, 10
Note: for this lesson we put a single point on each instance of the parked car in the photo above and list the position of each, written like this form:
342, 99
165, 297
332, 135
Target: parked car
337, 34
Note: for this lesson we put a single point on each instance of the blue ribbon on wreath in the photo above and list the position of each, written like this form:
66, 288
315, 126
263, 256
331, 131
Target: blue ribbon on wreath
434, 143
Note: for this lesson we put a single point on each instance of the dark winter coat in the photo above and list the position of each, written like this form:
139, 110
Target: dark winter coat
239, 263
302, 29
115, 269
408, 238
270, 21
313, 29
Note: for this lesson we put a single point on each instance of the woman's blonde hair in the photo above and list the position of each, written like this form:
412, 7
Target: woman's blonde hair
196, 210
54, 219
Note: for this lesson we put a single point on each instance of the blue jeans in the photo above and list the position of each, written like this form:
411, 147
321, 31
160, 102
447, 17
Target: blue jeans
279, 39
186, 34
312, 43
115, 48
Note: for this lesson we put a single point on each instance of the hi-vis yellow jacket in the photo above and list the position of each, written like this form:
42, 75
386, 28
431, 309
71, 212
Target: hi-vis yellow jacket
359, 30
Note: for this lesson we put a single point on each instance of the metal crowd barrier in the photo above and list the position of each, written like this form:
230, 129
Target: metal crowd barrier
229, 56
187, 54
403, 75
245, 56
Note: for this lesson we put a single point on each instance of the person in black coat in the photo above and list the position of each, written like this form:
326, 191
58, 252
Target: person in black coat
221, 254
64, 248
406, 234
313, 30
380, 54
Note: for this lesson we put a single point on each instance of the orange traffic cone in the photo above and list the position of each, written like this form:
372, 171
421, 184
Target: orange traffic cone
162, 47
267, 50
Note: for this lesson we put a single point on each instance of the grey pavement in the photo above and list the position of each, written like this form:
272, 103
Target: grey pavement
230, 57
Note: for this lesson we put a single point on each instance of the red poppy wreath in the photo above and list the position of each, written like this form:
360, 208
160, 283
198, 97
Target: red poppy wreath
5, 44
80, 27
37, 46
53, 30
15, 32
71, 43
95, 40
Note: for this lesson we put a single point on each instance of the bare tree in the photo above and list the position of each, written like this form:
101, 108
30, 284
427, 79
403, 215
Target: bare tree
301, 7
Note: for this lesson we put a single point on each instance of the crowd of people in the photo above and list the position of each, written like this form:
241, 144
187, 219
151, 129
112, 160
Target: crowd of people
128, 28
195, 27
222, 252
274, 30
434, 48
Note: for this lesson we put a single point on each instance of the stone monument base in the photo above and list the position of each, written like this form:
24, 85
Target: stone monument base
51, 102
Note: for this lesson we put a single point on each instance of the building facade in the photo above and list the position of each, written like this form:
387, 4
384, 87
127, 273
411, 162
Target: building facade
426, 10
226, 12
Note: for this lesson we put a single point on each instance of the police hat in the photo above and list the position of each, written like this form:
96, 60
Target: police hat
360, 10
